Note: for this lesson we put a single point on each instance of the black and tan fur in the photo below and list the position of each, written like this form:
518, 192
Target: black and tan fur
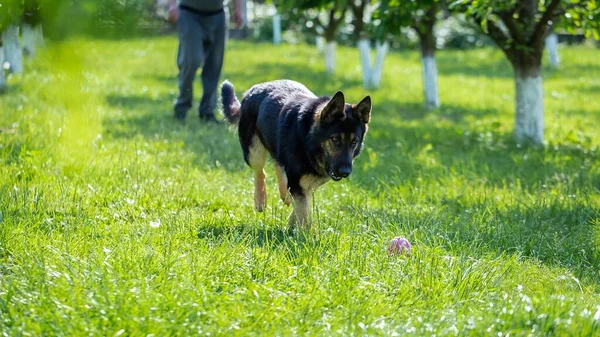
312, 139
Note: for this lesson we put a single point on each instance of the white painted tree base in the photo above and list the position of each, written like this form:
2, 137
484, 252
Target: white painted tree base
276, 29
320, 43
38, 35
552, 48
2, 77
371, 75
382, 49
28, 34
330, 57
12, 49
364, 49
430, 88
529, 121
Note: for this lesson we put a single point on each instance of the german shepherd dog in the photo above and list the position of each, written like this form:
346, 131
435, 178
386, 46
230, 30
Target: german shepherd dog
311, 139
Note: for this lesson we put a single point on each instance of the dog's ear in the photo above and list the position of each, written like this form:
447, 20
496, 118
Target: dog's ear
334, 108
363, 110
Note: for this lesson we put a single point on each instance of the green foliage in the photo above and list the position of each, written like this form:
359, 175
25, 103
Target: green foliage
116, 220
572, 15
396, 14
107, 18
287, 5
457, 33
32, 11
10, 13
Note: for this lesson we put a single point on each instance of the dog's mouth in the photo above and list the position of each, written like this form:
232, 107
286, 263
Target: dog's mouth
333, 176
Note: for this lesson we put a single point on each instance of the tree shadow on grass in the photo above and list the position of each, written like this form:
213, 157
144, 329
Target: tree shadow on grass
11, 88
588, 89
414, 111
152, 119
405, 152
258, 236
559, 233
462, 64
292, 242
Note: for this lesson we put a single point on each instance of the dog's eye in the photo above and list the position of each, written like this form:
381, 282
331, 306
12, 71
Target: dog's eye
354, 141
335, 139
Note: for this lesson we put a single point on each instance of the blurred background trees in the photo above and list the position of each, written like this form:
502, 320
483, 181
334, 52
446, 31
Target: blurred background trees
522, 29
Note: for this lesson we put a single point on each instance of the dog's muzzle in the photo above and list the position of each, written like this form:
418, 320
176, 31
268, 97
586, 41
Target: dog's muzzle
342, 172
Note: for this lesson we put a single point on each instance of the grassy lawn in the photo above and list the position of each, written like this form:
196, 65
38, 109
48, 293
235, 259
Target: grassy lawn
116, 220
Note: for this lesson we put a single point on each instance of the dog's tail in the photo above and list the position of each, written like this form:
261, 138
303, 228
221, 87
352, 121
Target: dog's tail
231, 105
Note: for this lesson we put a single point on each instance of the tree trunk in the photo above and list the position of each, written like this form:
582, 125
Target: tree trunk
38, 35
552, 48
12, 49
320, 42
382, 49
276, 29
371, 74
2, 77
364, 49
529, 120
28, 39
330, 57
244, 14
430, 88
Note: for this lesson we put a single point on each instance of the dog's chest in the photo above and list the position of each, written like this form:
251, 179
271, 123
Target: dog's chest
310, 182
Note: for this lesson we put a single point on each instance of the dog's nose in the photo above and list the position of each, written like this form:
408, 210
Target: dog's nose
345, 171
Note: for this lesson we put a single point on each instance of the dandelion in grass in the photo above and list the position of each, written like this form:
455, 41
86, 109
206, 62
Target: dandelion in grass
155, 224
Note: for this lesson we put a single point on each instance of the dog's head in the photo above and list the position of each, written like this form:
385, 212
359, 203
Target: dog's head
339, 129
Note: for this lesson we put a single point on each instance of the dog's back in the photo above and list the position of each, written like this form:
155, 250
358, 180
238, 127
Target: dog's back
260, 111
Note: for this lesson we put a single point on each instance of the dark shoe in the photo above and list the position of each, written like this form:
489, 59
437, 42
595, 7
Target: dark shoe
179, 116
209, 119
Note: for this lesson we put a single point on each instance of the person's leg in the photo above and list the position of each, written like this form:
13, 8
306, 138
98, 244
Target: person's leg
211, 70
189, 58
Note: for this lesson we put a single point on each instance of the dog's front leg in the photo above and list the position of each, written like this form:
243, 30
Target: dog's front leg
301, 214
282, 181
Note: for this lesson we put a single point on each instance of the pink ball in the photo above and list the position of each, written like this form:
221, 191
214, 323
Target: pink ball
399, 246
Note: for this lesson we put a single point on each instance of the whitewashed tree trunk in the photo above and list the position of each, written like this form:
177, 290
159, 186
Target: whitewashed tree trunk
529, 121
320, 42
430, 88
28, 39
382, 49
552, 48
2, 77
364, 49
244, 13
371, 74
276, 29
12, 49
330, 57
38, 35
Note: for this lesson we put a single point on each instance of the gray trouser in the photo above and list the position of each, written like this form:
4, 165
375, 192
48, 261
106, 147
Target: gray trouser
201, 44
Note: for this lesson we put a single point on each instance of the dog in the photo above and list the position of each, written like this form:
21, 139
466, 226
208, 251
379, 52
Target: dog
311, 139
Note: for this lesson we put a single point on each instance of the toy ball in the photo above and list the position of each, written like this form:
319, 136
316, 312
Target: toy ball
399, 246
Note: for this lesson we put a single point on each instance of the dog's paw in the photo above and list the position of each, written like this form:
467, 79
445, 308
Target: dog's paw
260, 205
286, 197
260, 202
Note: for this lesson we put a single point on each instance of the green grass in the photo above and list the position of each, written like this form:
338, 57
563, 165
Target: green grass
506, 238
